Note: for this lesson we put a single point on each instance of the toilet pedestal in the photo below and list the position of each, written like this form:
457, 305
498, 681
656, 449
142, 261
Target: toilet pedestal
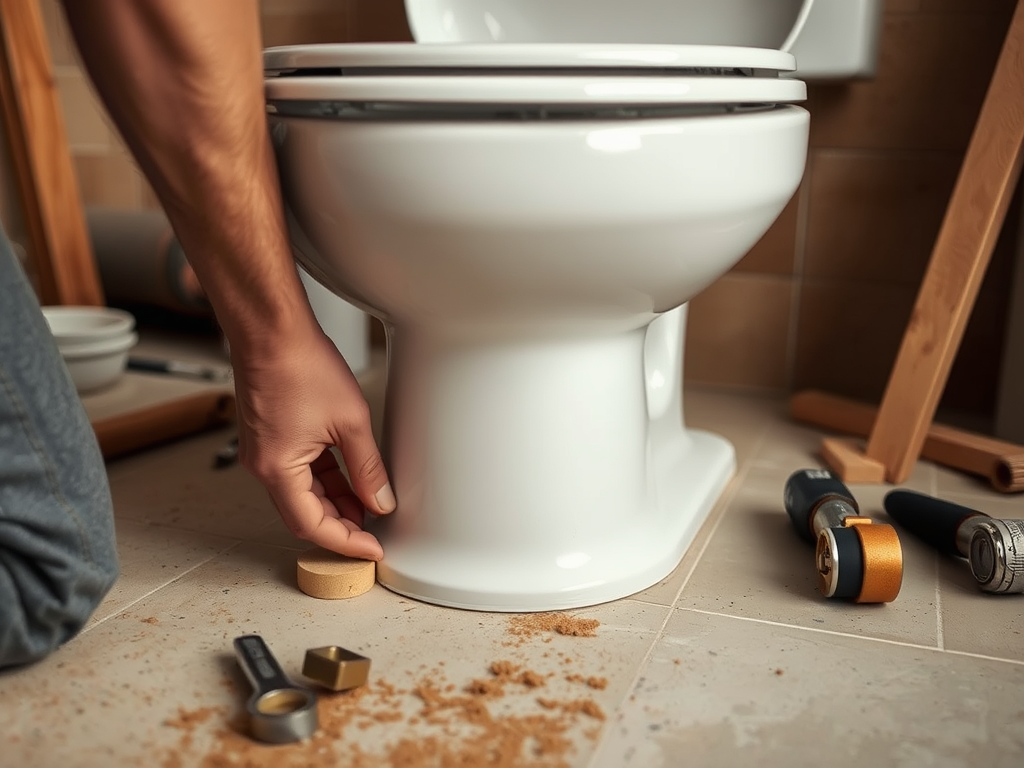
496, 515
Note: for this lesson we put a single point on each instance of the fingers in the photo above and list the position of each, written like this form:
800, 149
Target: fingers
309, 517
330, 482
366, 470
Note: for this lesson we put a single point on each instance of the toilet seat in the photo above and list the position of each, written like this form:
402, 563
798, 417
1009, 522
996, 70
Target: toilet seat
470, 56
569, 76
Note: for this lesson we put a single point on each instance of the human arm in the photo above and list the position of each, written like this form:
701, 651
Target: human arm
183, 81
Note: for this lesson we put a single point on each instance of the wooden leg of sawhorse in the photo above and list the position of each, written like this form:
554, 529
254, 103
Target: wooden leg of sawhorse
961, 255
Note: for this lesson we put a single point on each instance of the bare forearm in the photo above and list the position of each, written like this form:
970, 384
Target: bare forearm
183, 81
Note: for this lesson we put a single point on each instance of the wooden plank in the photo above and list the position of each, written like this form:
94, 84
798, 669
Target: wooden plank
59, 241
1000, 461
847, 458
155, 424
962, 251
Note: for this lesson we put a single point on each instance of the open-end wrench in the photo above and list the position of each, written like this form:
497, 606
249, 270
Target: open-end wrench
279, 711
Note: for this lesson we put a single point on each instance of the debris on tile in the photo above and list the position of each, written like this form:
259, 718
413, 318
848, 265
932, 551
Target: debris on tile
496, 720
525, 626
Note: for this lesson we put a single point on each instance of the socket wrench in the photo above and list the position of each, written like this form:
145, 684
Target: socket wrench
856, 558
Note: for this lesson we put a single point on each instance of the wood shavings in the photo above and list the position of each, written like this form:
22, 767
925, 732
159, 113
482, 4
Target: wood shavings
494, 720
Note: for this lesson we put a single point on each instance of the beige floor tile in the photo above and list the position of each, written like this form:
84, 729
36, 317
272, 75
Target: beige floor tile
974, 621
788, 445
152, 556
152, 682
165, 667
977, 622
666, 591
177, 486
756, 566
723, 692
741, 419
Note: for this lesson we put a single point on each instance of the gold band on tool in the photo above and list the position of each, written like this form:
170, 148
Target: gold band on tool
883, 563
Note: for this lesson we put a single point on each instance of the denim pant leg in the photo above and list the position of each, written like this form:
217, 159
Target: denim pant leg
57, 553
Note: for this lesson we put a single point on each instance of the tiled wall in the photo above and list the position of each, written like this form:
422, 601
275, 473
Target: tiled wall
824, 298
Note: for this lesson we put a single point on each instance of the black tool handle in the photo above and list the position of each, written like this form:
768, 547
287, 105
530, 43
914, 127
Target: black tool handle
806, 490
932, 520
259, 665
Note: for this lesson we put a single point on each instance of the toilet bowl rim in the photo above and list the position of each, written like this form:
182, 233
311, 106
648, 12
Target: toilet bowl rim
637, 58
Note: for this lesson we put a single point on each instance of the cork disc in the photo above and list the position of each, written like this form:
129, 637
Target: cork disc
331, 576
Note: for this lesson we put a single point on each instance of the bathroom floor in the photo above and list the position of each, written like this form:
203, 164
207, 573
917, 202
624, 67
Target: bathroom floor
734, 659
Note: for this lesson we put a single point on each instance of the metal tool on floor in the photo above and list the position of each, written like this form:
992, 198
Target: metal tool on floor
994, 548
856, 558
336, 668
280, 711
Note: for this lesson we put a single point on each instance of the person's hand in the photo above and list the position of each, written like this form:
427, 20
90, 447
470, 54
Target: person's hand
293, 407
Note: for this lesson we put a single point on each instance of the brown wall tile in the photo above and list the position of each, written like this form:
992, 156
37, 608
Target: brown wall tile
848, 335
874, 216
294, 28
379, 20
737, 332
932, 76
775, 252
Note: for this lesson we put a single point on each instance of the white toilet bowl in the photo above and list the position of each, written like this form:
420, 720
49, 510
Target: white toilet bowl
529, 222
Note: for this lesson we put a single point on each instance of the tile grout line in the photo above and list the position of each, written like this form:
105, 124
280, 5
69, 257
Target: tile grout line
726, 499
153, 591
1018, 662
632, 684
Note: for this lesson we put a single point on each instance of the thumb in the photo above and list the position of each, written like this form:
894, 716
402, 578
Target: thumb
367, 475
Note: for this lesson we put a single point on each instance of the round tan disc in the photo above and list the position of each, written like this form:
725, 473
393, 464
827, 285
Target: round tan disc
331, 576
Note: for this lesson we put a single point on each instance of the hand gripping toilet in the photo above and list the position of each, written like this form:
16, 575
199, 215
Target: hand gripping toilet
856, 558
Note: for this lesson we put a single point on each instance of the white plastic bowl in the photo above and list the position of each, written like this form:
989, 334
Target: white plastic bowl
98, 364
82, 325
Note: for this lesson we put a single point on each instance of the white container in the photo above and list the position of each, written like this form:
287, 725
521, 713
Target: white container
83, 325
98, 364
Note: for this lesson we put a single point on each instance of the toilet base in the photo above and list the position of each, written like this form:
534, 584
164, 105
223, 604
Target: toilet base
620, 563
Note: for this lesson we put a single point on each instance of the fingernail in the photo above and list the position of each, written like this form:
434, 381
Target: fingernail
385, 498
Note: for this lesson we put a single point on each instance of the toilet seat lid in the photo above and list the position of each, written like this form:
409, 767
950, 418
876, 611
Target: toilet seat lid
754, 23
700, 59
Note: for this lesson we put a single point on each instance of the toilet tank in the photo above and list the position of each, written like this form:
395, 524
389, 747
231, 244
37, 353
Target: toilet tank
839, 39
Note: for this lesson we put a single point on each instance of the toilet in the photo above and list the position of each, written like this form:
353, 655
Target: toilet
528, 197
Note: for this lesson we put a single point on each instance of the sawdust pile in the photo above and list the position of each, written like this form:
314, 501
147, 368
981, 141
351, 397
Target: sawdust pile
498, 719
527, 626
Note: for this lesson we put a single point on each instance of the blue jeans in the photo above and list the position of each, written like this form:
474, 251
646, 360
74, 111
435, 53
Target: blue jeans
57, 553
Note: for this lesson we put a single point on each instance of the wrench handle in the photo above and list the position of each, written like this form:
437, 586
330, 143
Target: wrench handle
259, 665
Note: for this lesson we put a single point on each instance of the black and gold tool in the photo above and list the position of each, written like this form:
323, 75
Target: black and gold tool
994, 548
856, 558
